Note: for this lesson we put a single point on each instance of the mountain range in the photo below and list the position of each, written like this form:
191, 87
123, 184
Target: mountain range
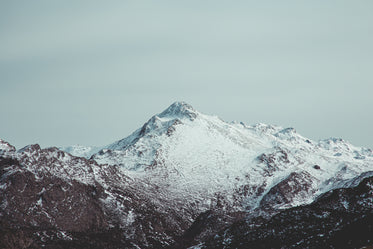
189, 180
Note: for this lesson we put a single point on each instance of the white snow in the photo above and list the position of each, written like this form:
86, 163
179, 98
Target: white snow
80, 150
130, 218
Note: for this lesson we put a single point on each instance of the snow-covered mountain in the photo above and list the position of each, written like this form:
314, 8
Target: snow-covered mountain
81, 151
193, 156
179, 180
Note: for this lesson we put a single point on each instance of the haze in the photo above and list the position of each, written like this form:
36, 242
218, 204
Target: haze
92, 72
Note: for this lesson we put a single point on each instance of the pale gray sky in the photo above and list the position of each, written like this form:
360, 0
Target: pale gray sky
91, 72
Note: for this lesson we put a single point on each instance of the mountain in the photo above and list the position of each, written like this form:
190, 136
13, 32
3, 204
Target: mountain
197, 156
184, 178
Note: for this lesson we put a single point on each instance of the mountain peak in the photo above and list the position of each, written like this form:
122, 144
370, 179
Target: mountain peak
179, 109
6, 147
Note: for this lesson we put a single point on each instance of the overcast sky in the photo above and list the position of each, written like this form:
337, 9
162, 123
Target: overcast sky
91, 72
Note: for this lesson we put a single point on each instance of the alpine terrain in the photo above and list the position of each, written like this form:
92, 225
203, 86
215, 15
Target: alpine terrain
189, 180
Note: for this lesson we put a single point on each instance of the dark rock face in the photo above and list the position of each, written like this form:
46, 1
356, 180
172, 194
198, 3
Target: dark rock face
271, 160
45, 210
342, 218
298, 185
49, 199
316, 167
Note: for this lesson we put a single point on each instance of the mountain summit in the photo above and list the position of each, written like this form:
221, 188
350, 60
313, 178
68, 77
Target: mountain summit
179, 109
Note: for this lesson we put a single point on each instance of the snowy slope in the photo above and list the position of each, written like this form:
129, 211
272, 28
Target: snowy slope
202, 159
80, 150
